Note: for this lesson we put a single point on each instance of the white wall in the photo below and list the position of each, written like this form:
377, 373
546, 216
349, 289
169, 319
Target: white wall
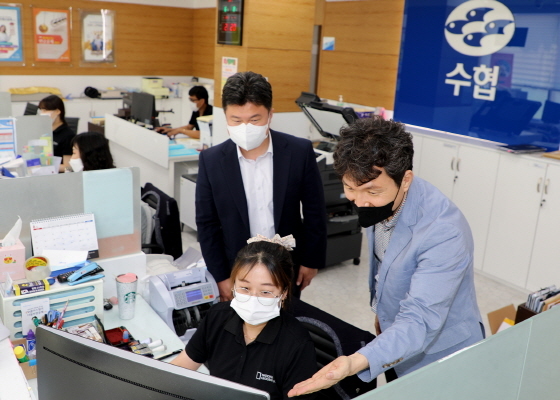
169, 3
294, 123
72, 86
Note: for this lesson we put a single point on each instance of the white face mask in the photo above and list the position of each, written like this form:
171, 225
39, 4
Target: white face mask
253, 312
49, 114
76, 164
194, 107
248, 136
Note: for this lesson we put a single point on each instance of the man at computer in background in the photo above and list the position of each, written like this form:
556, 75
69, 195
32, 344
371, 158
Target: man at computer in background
421, 259
198, 96
258, 182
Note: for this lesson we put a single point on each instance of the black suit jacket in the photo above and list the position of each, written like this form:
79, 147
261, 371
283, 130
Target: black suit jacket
222, 216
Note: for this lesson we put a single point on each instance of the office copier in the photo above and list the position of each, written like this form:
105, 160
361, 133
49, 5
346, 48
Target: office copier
344, 234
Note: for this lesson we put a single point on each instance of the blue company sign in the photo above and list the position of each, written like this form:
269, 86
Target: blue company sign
483, 68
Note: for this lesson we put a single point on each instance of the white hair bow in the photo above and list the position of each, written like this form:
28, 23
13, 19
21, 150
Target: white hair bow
287, 241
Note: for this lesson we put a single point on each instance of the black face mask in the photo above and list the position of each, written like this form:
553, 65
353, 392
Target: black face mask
368, 216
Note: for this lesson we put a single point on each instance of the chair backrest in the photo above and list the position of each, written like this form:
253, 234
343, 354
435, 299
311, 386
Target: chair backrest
332, 338
31, 109
167, 226
73, 123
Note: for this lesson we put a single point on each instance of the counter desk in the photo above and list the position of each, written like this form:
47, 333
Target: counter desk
133, 145
146, 323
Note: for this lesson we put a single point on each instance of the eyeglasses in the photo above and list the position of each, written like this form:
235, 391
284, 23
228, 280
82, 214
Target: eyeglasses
265, 297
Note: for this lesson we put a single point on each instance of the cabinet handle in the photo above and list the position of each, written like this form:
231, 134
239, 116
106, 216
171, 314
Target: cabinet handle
452, 161
539, 185
458, 163
546, 186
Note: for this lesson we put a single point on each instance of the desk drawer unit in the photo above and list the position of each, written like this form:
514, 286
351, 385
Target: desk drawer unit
84, 301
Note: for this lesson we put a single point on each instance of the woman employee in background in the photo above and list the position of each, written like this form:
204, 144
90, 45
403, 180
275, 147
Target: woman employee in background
198, 95
252, 340
90, 151
53, 106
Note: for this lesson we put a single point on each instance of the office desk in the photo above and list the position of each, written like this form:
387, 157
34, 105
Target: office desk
146, 323
133, 145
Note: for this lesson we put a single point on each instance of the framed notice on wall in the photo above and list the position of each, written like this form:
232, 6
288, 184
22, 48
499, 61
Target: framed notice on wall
98, 36
11, 43
51, 34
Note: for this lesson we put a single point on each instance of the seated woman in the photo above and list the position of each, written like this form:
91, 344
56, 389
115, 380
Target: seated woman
198, 95
252, 340
90, 151
53, 106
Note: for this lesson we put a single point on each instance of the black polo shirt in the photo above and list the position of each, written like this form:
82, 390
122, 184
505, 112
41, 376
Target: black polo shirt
281, 356
62, 140
207, 111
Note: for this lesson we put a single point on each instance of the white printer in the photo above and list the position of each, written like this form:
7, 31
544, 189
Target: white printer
182, 298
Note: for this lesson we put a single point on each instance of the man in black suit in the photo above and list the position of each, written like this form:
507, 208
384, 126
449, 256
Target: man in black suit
258, 182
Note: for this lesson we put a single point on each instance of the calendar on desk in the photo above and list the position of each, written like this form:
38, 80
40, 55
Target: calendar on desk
67, 232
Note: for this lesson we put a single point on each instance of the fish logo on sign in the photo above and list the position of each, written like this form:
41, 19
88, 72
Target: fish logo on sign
479, 27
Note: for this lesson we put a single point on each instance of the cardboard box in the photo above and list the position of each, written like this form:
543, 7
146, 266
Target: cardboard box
12, 260
495, 318
30, 372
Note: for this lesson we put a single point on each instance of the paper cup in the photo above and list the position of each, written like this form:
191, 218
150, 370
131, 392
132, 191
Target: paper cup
126, 294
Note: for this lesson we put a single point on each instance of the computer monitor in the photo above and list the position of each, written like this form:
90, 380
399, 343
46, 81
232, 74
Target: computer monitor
72, 367
551, 112
143, 108
326, 118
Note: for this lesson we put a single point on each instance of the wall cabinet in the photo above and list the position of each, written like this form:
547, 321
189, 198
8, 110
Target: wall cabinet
544, 269
511, 201
467, 175
515, 213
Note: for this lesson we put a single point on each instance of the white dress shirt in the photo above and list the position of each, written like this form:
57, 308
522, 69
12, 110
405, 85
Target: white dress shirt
257, 182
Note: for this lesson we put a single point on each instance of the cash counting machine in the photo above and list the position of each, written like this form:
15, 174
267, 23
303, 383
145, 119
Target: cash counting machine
344, 234
182, 298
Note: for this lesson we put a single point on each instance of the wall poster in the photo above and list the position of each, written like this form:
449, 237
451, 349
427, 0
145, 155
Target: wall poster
10, 33
51, 34
98, 33
229, 68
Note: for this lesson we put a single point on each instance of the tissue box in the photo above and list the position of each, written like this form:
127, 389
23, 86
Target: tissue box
12, 260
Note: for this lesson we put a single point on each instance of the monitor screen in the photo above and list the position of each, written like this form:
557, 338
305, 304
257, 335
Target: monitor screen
72, 367
143, 108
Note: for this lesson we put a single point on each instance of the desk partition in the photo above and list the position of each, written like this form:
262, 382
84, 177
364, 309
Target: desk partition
520, 363
112, 195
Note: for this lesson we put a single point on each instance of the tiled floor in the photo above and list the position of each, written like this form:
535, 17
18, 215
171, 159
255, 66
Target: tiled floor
342, 290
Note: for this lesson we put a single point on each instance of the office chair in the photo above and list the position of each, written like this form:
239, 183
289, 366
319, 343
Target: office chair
167, 227
31, 109
73, 123
333, 338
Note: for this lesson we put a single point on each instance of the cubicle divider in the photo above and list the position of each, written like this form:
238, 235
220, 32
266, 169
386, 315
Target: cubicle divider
112, 195
520, 363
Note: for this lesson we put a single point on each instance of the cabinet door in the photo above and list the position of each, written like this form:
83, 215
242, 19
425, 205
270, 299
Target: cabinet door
473, 192
545, 261
417, 142
513, 222
437, 163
